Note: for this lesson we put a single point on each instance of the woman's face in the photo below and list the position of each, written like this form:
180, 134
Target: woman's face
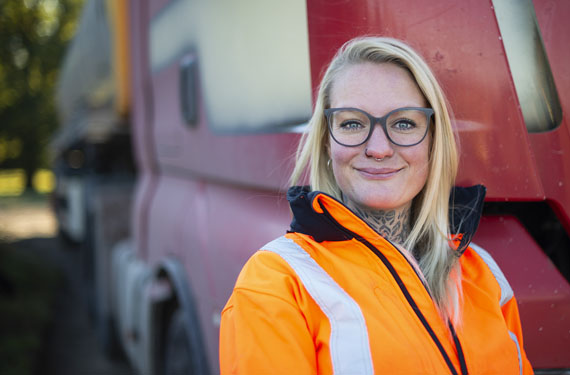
378, 174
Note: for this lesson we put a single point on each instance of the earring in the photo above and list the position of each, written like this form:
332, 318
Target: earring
329, 163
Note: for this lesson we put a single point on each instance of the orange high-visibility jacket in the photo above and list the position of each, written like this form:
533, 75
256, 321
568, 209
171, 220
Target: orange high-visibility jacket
334, 297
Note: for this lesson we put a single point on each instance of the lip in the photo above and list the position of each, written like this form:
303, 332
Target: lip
378, 173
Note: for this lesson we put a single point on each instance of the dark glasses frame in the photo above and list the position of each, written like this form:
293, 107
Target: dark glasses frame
374, 120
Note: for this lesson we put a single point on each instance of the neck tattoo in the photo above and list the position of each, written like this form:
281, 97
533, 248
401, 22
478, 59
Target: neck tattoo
394, 225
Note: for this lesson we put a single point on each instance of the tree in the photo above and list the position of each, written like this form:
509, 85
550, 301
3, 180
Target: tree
34, 35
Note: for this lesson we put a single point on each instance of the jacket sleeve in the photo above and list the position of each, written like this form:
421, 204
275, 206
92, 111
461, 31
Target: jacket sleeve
512, 319
263, 331
509, 308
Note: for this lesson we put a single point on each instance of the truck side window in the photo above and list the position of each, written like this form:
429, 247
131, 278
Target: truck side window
253, 59
529, 65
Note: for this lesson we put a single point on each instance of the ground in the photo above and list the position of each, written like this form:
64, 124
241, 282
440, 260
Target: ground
70, 345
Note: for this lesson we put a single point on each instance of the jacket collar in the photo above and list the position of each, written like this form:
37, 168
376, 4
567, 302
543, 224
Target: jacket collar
326, 219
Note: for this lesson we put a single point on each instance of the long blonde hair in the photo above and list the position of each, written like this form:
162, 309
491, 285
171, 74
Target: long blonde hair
430, 231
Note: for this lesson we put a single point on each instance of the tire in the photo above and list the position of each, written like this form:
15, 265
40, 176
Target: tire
183, 353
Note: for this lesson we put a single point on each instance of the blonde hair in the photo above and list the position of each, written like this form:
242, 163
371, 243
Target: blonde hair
430, 232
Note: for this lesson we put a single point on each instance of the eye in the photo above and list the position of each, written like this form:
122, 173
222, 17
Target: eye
351, 125
403, 125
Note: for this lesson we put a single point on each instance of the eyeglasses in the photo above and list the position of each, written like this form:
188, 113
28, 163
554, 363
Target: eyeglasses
404, 127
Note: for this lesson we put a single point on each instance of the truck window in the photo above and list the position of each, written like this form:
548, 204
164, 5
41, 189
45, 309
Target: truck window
529, 65
266, 87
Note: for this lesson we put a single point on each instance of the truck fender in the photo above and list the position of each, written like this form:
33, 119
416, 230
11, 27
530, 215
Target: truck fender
129, 307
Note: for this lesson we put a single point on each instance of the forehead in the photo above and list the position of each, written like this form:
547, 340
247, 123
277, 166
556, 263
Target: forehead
375, 88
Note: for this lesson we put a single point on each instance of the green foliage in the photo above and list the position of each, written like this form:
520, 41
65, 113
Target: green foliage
26, 309
33, 39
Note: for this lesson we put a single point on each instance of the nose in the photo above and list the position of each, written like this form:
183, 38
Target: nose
378, 145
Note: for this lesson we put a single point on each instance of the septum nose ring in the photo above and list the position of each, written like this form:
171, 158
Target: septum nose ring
377, 159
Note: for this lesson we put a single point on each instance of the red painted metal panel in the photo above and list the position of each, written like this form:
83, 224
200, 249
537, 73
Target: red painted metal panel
461, 42
542, 293
141, 123
139, 24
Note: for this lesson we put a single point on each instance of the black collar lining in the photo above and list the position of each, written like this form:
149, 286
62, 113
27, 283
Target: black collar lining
465, 209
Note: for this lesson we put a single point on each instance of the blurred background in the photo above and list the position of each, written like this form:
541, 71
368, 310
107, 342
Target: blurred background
36, 266
34, 36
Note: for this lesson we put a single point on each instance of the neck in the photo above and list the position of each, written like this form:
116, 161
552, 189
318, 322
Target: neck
394, 225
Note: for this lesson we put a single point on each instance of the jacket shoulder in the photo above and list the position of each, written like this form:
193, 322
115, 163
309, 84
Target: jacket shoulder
267, 273
479, 266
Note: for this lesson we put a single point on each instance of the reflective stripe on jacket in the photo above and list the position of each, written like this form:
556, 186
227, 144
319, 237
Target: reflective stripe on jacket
303, 306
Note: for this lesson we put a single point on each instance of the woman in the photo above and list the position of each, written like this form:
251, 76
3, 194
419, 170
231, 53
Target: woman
374, 275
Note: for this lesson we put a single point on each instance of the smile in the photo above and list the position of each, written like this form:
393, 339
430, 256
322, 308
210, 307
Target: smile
378, 173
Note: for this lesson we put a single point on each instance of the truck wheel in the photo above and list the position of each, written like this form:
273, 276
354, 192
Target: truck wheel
183, 354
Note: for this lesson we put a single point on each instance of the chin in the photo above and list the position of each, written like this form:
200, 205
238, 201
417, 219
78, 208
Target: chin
379, 204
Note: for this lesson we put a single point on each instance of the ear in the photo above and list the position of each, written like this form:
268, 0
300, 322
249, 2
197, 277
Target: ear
328, 153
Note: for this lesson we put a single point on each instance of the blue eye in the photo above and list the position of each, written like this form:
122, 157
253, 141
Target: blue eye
404, 125
351, 125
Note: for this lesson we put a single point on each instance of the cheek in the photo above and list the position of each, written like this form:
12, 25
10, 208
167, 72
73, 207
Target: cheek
341, 159
336, 151
420, 161
341, 156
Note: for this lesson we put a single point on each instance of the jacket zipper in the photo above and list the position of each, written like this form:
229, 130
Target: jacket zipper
410, 300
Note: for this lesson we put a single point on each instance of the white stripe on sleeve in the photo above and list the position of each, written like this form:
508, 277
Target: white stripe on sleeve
349, 344
516, 340
506, 290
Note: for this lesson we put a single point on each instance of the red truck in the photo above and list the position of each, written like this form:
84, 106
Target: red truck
213, 96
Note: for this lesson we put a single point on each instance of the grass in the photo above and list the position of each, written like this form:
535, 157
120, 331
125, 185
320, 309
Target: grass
27, 293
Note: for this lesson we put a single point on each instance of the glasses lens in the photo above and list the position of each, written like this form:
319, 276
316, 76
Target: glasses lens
349, 127
407, 127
